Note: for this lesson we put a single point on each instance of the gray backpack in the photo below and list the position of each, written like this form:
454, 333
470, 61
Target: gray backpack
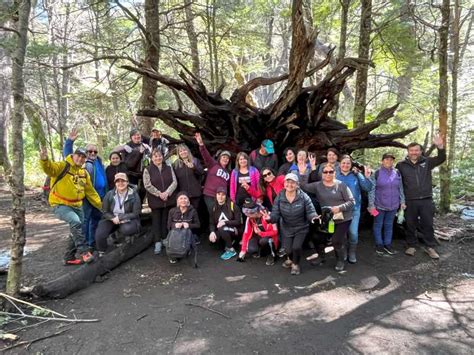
180, 243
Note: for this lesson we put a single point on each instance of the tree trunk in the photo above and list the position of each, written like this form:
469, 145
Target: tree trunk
345, 4
192, 37
360, 100
5, 104
443, 102
152, 61
23, 8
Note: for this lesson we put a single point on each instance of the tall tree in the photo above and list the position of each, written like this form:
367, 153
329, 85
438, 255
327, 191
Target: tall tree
443, 33
192, 37
152, 61
20, 24
360, 100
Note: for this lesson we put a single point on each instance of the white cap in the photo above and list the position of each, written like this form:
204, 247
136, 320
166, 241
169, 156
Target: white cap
292, 176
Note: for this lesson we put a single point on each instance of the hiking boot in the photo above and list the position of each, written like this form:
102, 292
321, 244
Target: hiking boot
410, 251
228, 254
339, 265
173, 261
287, 264
270, 260
352, 253
158, 246
432, 253
389, 250
87, 257
256, 255
295, 269
379, 250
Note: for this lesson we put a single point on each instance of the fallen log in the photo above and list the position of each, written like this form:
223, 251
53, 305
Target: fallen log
86, 274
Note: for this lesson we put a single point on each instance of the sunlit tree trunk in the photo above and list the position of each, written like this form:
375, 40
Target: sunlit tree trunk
192, 37
20, 23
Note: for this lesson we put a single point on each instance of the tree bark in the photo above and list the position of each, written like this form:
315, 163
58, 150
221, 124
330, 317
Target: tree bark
360, 100
443, 94
192, 38
22, 14
5, 104
152, 61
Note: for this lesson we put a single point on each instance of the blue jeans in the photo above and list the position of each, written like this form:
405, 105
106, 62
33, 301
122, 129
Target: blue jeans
354, 227
92, 217
74, 217
384, 220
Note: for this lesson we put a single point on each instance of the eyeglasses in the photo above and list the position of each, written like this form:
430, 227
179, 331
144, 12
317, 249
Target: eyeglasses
328, 172
267, 174
92, 151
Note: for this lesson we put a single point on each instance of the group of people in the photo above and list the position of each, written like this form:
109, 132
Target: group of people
258, 208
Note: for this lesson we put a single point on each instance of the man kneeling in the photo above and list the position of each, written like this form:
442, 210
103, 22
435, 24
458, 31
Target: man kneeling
121, 211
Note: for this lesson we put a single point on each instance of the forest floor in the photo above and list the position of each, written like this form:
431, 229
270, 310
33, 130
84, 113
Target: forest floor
383, 304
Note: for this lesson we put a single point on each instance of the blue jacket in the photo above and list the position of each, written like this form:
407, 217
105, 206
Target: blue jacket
94, 167
355, 184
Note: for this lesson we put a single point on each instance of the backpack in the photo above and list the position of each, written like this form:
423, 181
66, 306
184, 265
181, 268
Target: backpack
47, 184
180, 243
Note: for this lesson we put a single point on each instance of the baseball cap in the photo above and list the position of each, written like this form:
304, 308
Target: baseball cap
388, 155
81, 151
225, 152
155, 129
291, 176
221, 189
268, 145
120, 176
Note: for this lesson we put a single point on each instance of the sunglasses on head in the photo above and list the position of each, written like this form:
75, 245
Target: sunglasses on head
267, 174
92, 151
328, 172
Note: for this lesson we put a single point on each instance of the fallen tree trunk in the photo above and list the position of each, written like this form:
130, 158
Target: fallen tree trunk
86, 274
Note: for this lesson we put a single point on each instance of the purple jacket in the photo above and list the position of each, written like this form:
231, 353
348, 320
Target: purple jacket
387, 193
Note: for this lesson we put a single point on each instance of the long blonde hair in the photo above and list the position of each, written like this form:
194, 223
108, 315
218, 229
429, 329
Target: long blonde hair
179, 162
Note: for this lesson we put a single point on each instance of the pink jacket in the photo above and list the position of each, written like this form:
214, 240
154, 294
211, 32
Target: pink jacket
253, 191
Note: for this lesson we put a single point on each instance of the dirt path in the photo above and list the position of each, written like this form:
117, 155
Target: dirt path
383, 304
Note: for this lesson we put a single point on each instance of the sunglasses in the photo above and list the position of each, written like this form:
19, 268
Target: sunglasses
92, 151
328, 172
267, 175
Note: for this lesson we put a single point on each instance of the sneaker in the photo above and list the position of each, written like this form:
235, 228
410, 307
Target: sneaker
295, 269
270, 260
410, 251
339, 265
281, 253
432, 253
74, 261
379, 250
228, 254
389, 250
158, 246
101, 254
256, 255
287, 264
312, 257
173, 261
87, 257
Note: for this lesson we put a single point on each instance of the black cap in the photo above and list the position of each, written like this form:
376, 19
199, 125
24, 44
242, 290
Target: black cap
388, 155
81, 151
221, 189
181, 193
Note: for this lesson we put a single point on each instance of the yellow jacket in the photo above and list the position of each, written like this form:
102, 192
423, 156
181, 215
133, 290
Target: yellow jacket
73, 187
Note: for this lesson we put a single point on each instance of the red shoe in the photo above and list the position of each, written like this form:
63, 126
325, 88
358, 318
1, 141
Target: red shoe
87, 257
73, 261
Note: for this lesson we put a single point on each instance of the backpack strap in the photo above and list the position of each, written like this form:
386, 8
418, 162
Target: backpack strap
62, 174
232, 206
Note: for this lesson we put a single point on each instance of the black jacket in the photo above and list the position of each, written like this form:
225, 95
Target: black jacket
231, 212
417, 178
296, 216
110, 172
190, 216
132, 206
189, 180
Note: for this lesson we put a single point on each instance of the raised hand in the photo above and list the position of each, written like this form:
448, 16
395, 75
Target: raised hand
367, 171
198, 138
312, 161
43, 153
73, 134
438, 141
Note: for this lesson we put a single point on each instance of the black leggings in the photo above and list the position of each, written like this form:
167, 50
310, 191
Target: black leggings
227, 236
106, 227
159, 223
256, 243
294, 246
338, 238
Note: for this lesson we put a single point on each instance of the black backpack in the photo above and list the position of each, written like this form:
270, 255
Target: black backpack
180, 243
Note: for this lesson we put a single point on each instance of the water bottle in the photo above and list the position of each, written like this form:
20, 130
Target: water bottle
331, 226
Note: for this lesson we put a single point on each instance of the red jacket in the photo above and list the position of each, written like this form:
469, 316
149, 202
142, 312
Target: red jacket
271, 231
